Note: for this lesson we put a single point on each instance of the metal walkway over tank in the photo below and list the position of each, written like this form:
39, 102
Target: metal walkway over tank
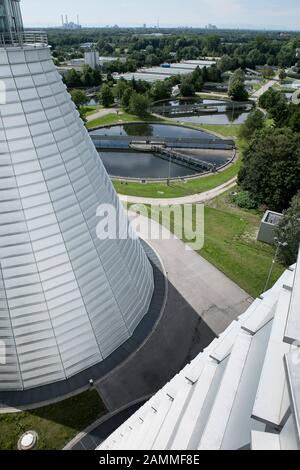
124, 142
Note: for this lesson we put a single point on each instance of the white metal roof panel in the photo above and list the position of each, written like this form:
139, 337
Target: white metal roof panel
270, 393
292, 330
216, 425
264, 441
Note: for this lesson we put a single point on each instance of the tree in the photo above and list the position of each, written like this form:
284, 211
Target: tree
79, 97
125, 101
141, 86
268, 72
237, 90
288, 232
106, 96
213, 42
187, 88
139, 104
255, 57
120, 89
239, 74
294, 119
96, 76
87, 76
152, 60
72, 79
271, 167
160, 90
269, 99
282, 74
197, 79
226, 63
255, 121
214, 74
276, 104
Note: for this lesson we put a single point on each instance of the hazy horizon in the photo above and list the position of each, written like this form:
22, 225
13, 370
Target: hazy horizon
226, 14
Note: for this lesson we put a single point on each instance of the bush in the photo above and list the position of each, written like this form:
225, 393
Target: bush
187, 88
236, 89
255, 121
105, 96
276, 104
244, 200
271, 167
288, 232
79, 97
139, 104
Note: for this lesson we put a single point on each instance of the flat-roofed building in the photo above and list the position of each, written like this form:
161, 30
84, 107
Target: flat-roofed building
270, 221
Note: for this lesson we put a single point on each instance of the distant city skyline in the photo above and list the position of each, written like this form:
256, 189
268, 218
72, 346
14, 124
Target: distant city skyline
252, 14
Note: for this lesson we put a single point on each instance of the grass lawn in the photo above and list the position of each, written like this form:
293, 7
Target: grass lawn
114, 118
90, 110
213, 95
56, 424
230, 244
197, 186
230, 130
178, 188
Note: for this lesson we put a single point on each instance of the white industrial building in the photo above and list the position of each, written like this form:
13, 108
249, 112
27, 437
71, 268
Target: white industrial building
242, 392
153, 74
67, 299
91, 58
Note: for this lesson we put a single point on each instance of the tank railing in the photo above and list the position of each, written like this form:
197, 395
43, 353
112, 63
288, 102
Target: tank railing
23, 38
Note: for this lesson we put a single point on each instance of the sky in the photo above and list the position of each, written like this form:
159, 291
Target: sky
258, 14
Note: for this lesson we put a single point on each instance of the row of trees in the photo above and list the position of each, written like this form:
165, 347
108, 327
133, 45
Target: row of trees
132, 96
280, 110
271, 167
239, 49
87, 77
270, 174
135, 96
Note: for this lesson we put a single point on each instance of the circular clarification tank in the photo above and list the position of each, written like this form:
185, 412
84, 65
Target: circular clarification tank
121, 161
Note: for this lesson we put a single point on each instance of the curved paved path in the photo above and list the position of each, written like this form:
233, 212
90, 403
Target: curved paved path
101, 113
258, 93
201, 303
191, 199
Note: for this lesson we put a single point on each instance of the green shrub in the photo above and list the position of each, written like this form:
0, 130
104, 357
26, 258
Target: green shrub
244, 200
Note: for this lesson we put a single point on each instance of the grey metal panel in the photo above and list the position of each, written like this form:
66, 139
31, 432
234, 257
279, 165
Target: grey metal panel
293, 377
10, 372
292, 330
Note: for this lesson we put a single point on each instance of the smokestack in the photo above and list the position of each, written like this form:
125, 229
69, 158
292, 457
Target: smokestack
66, 19
62, 20
78, 20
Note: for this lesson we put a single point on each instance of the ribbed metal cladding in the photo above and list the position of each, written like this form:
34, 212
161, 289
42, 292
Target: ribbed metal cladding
67, 299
